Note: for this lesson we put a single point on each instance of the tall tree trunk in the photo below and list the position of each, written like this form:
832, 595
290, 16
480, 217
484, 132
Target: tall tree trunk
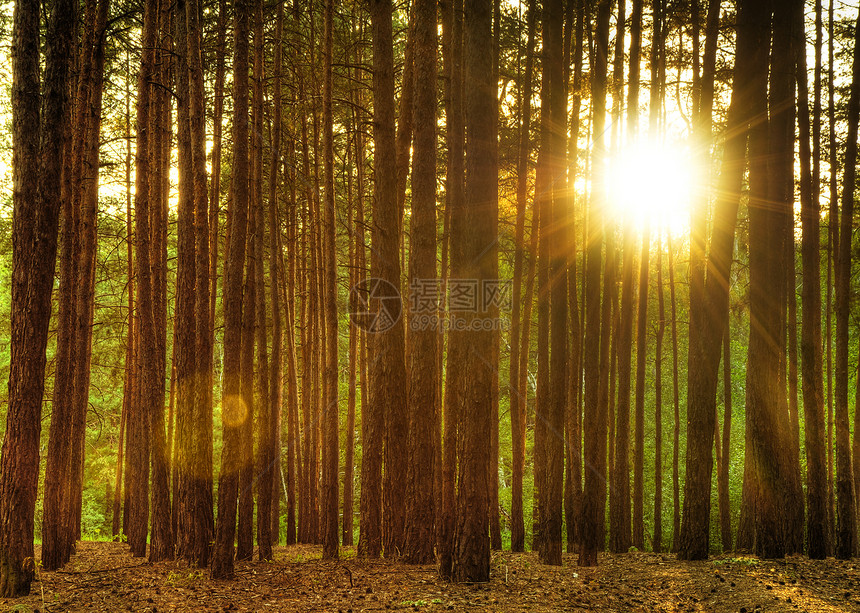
723, 501
832, 248
161, 539
294, 471
765, 396
781, 192
810, 343
594, 424
185, 339
657, 543
573, 424
307, 332
619, 509
264, 461
276, 375
846, 523
518, 396
494, 506
36, 197
56, 540
331, 455
256, 398
395, 399
215, 184
201, 433
139, 428
264, 468
388, 361
128, 390
676, 429
642, 310
709, 297
357, 275
619, 494
422, 339
245, 529
543, 204
354, 333
555, 127
233, 411
472, 235
452, 54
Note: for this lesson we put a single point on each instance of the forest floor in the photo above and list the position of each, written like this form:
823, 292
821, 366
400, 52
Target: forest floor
104, 577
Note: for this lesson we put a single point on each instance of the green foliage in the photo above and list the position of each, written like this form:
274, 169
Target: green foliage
739, 561
185, 579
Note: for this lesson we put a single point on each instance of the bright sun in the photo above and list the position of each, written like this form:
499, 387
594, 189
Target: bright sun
652, 182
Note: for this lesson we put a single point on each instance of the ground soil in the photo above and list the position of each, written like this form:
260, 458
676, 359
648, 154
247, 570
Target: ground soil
104, 577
